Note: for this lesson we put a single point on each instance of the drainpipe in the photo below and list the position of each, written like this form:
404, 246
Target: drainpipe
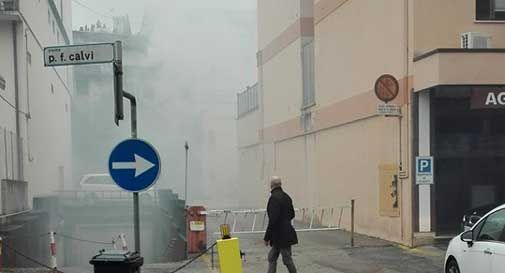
28, 112
410, 130
16, 99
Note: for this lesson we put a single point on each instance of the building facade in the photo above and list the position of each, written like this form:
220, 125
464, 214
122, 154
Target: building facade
315, 122
35, 107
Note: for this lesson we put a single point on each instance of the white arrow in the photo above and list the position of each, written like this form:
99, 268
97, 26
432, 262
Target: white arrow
141, 165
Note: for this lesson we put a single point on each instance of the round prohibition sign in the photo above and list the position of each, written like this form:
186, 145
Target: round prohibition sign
387, 88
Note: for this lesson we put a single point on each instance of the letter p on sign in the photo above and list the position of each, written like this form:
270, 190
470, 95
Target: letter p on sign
424, 166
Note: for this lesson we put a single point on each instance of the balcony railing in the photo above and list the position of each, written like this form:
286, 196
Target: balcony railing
14, 195
247, 101
9, 5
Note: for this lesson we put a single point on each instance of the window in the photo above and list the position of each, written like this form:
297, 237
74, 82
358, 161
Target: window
493, 227
52, 88
308, 74
53, 28
490, 10
28, 57
49, 17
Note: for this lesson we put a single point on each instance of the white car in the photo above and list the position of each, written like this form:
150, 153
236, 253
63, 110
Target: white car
480, 249
97, 182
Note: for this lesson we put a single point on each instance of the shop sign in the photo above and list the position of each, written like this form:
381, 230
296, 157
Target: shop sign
488, 98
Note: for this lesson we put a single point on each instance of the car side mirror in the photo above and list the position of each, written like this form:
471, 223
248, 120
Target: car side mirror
474, 219
467, 237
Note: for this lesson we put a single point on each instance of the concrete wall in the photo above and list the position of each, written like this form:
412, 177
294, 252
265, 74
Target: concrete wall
459, 68
274, 17
248, 128
282, 86
438, 24
251, 183
7, 114
44, 111
355, 45
337, 159
339, 156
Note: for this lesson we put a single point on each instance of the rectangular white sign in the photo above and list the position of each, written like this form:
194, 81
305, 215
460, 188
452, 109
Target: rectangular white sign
197, 225
424, 170
389, 110
79, 54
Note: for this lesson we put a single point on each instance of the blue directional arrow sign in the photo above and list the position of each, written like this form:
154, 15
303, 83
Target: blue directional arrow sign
134, 165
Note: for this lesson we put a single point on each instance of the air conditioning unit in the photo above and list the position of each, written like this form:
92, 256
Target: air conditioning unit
475, 40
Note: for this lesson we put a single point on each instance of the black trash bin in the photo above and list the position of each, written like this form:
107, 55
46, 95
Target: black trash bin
117, 261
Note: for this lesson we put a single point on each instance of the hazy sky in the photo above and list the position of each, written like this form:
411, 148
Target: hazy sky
89, 11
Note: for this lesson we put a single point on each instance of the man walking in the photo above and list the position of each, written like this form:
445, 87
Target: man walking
280, 234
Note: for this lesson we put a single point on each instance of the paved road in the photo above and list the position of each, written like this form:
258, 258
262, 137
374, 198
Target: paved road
329, 252
320, 252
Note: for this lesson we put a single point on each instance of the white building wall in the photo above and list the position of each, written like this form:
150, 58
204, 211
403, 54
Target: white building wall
44, 112
7, 113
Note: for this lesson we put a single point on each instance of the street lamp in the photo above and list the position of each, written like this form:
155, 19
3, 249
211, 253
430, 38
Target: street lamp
186, 147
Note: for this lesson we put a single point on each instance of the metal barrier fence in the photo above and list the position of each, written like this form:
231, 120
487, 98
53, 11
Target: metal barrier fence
255, 221
104, 194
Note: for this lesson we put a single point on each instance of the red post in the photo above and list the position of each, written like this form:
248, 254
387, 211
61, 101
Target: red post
196, 229
1, 254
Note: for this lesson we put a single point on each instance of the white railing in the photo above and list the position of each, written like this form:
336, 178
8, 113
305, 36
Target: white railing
251, 221
306, 220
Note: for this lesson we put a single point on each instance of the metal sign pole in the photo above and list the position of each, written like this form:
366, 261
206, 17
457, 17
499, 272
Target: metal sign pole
136, 218
118, 82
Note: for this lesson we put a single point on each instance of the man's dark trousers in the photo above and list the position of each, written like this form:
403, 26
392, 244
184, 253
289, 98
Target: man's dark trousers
273, 256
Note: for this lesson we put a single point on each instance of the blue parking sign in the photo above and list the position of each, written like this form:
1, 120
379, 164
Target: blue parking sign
424, 170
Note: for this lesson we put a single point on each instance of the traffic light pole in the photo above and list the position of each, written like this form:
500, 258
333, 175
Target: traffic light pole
136, 217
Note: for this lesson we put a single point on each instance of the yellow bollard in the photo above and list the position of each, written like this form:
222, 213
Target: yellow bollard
229, 255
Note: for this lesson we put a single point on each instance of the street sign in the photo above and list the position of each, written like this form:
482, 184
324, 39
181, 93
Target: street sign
386, 88
389, 110
79, 54
134, 165
424, 170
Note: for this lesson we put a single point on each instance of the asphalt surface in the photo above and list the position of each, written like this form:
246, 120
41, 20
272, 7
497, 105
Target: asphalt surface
329, 252
317, 252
